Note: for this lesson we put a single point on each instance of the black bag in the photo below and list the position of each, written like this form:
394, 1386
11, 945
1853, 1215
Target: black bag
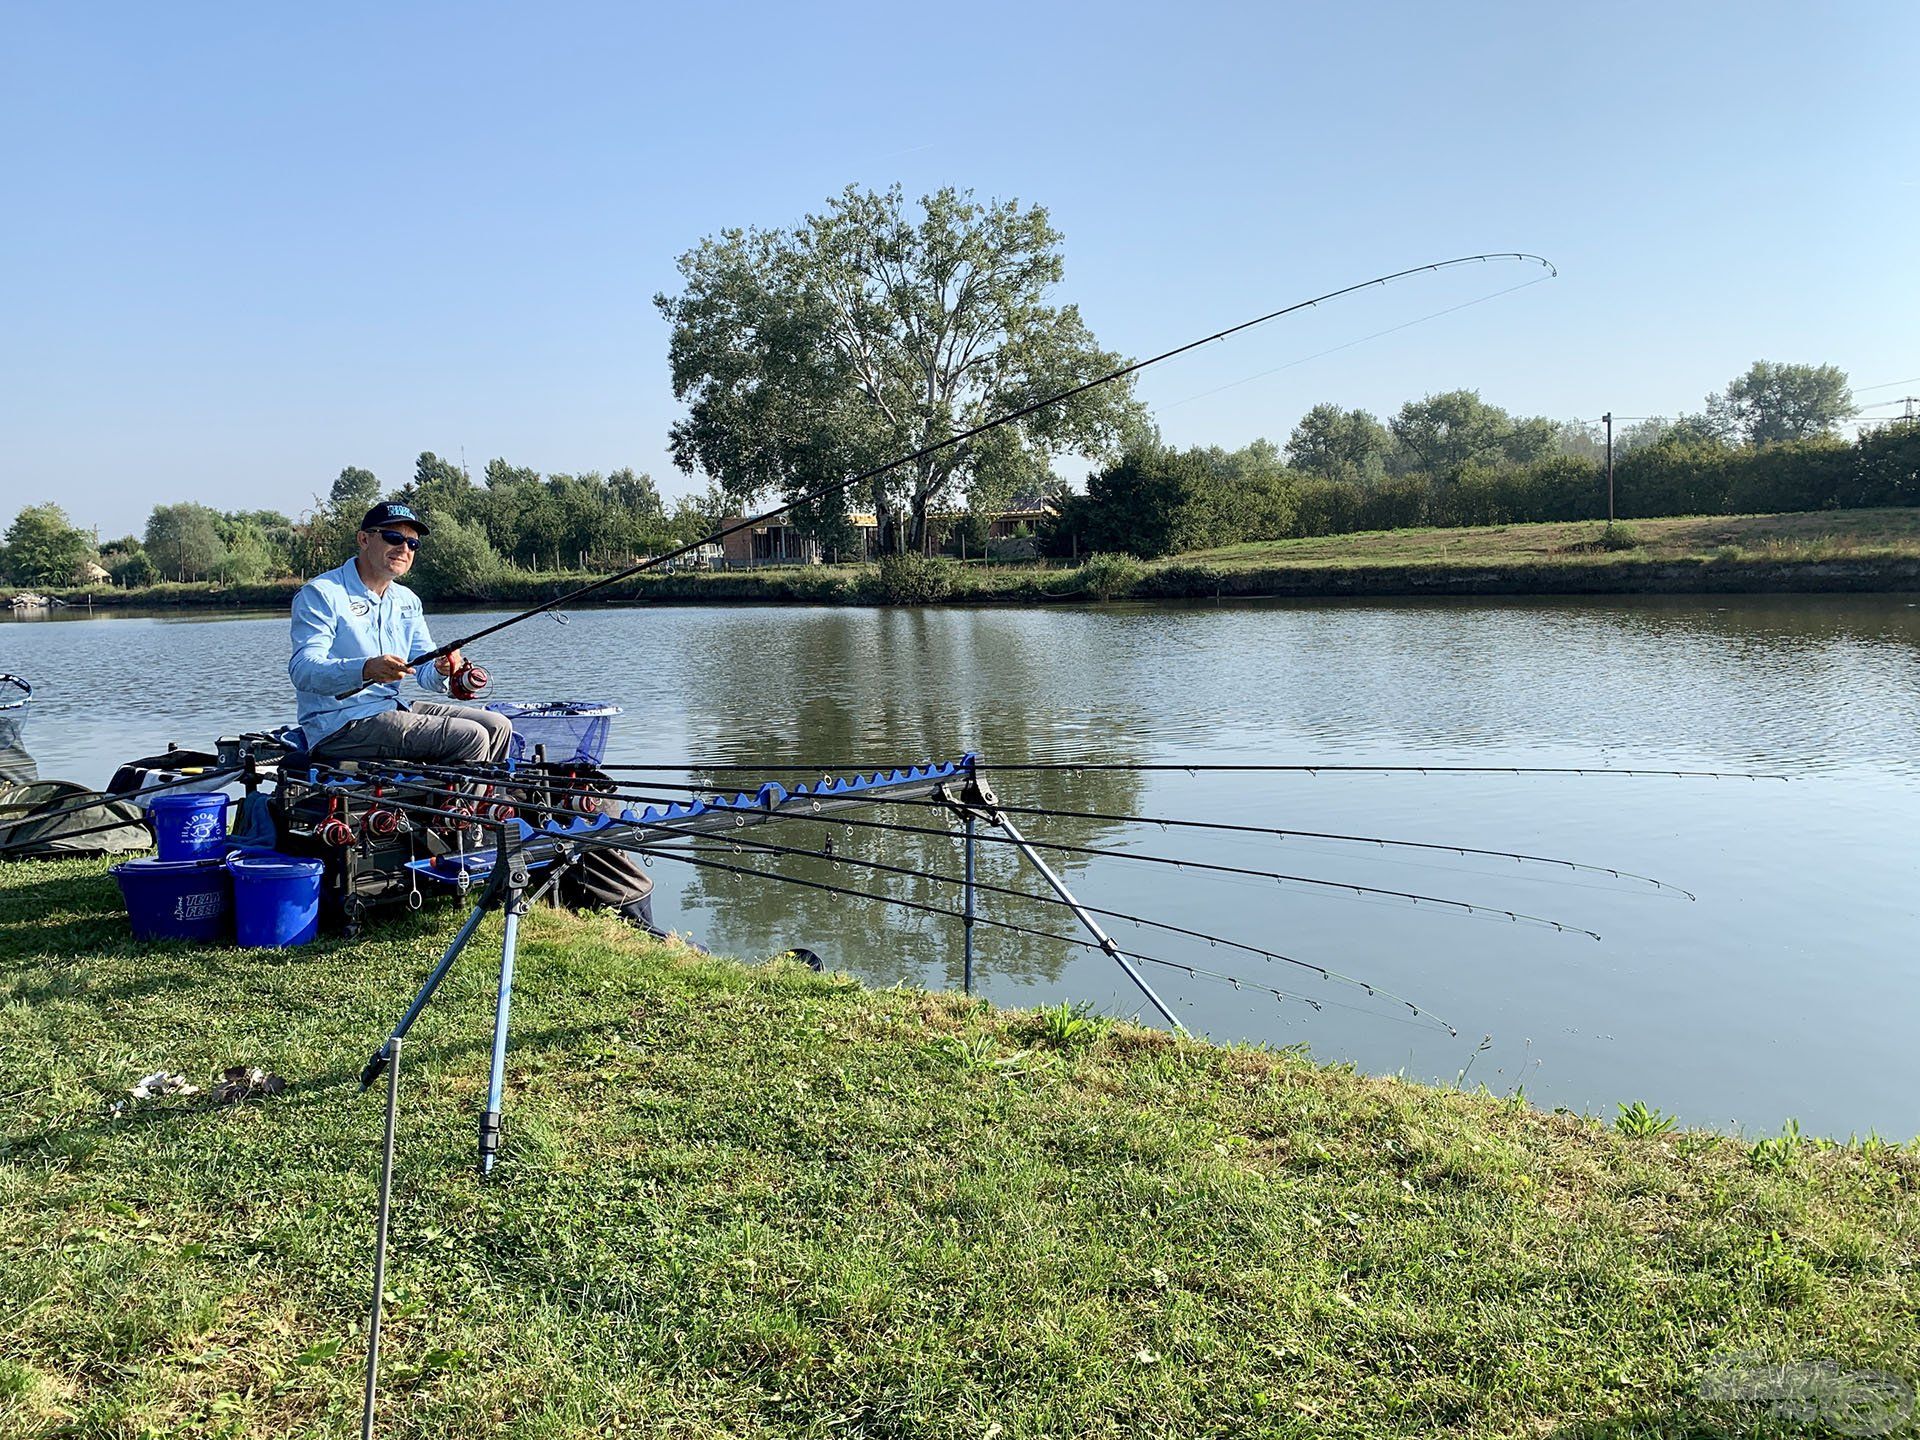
604, 878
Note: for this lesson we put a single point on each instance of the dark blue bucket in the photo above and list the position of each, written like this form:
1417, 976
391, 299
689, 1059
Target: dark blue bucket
276, 899
190, 827
176, 899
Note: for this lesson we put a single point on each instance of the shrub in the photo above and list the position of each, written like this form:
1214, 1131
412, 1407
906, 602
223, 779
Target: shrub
132, 569
1325, 507
914, 580
1105, 576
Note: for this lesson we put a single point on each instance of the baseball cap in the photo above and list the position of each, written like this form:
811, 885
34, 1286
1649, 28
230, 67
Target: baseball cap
392, 512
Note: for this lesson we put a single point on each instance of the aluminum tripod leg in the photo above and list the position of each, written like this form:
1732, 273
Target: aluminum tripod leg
380, 1241
1093, 926
379, 1061
496, 1077
966, 974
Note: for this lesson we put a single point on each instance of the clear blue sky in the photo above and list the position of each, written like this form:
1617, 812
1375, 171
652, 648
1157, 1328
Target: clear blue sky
246, 245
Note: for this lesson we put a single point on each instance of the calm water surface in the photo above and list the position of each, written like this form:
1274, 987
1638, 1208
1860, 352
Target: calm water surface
1788, 988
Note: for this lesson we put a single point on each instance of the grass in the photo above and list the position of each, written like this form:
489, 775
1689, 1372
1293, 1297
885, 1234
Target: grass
757, 1201
1888, 534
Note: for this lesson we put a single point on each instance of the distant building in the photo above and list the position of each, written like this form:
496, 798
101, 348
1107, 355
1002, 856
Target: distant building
778, 543
90, 572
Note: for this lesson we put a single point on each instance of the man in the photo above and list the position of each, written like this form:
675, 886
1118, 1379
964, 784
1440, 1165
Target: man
358, 625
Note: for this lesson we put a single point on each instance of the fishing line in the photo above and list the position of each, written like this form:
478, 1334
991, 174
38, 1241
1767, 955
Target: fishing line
1348, 345
836, 486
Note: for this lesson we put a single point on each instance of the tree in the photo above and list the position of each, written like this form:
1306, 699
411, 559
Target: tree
1339, 444
438, 487
866, 333
354, 492
1442, 434
43, 548
459, 564
1151, 503
183, 541
130, 567
1772, 402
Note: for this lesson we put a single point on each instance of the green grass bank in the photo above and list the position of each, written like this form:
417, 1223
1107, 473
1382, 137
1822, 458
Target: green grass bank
754, 1201
1843, 551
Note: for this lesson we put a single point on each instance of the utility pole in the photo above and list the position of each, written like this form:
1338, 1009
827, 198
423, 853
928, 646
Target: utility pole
1608, 417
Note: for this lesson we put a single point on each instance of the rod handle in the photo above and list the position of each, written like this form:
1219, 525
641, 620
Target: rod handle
489, 1140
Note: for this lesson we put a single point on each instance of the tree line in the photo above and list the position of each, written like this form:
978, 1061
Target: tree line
1764, 443
513, 517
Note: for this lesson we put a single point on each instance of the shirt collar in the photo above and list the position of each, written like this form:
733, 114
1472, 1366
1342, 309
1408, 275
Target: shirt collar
351, 578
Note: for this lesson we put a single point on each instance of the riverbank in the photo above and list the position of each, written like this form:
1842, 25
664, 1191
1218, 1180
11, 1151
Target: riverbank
759, 1201
1847, 551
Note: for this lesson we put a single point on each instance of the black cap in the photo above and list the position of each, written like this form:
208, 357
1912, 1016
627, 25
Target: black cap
392, 512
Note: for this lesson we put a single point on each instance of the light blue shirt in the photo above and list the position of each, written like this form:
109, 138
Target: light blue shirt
338, 625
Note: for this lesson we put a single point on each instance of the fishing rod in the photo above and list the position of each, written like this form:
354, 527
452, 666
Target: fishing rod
738, 843
837, 486
1468, 907
1195, 971
1577, 866
1139, 921
97, 799
1174, 767
1377, 841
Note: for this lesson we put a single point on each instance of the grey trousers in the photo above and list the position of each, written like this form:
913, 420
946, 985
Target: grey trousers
430, 731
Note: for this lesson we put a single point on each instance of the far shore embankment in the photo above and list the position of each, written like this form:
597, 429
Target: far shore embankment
1841, 552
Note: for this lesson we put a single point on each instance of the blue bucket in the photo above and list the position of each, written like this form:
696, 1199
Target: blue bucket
276, 899
176, 899
190, 827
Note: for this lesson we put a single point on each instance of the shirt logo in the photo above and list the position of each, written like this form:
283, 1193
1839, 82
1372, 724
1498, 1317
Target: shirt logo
359, 607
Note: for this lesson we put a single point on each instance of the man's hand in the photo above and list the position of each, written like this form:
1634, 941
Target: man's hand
449, 662
383, 668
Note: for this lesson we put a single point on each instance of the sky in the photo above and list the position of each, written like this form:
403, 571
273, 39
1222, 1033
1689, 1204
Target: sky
242, 247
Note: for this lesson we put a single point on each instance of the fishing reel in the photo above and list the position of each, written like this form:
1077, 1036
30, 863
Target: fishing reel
495, 807
469, 682
334, 831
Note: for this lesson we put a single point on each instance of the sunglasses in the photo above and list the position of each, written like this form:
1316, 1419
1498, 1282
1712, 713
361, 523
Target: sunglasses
395, 537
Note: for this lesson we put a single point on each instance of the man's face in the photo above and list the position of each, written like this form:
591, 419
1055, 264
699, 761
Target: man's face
387, 557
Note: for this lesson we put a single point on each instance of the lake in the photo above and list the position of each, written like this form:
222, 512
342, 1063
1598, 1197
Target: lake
1787, 988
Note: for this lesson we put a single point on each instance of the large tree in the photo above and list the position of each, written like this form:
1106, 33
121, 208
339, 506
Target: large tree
1774, 402
354, 492
43, 548
183, 541
1442, 434
1338, 444
866, 333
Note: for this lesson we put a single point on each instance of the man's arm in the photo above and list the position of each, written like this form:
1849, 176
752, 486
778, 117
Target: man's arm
420, 642
311, 667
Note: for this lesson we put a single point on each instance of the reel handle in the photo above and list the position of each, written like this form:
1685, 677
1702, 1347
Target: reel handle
469, 682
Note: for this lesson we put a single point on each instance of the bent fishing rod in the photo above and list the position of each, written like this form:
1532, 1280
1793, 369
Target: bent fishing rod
837, 486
